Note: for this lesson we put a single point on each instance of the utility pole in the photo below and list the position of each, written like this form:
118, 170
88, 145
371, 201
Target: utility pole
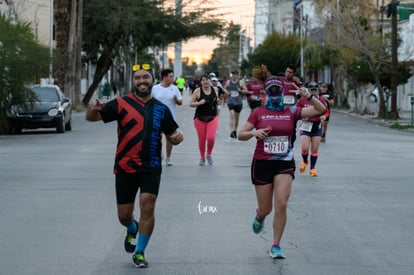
52, 13
392, 12
178, 64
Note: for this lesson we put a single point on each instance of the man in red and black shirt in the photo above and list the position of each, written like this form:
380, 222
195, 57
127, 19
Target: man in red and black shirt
141, 120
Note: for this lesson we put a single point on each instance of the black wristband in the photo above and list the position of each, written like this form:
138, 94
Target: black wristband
309, 98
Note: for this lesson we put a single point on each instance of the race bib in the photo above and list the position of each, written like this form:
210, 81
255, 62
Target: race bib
306, 126
234, 93
289, 99
276, 145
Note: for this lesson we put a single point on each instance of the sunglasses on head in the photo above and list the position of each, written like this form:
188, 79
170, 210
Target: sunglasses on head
137, 67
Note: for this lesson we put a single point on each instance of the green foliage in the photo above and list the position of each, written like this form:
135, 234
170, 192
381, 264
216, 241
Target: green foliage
138, 24
22, 60
276, 52
398, 126
123, 29
226, 56
317, 56
360, 71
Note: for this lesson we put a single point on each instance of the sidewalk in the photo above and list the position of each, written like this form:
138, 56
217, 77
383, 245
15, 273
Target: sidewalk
404, 121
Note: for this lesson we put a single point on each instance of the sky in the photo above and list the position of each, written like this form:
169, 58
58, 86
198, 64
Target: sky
239, 11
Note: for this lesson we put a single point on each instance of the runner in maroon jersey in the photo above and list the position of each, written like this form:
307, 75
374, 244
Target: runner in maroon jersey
290, 84
311, 131
273, 165
141, 120
255, 91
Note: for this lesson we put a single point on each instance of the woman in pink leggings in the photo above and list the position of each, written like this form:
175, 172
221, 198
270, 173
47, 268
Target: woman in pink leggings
205, 99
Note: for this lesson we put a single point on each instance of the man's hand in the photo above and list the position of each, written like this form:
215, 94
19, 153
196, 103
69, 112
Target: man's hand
92, 114
176, 137
97, 105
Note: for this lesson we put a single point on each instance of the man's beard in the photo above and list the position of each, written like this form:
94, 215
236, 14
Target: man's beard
142, 94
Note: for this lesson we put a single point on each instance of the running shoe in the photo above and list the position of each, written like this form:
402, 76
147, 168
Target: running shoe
303, 167
131, 240
258, 225
202, 162
209, 160
276, 252
168, 162
313, 172
139, 260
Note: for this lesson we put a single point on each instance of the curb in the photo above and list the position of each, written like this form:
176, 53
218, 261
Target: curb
403, 121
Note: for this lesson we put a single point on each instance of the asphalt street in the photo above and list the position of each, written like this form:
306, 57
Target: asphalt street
58, 212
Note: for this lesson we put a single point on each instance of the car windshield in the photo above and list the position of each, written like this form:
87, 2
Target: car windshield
46, 94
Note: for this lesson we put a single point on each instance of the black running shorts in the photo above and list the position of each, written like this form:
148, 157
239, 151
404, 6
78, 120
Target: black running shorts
253, 104
127, 185
236, 108
263, 171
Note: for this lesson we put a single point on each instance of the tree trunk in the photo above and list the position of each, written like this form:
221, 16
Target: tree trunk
78, 57
61, 20
102, 67
71, 53
394, 66
381, 100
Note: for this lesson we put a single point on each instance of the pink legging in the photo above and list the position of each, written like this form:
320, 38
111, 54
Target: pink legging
206, 132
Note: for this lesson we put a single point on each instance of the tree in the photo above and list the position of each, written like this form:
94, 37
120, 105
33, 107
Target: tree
348, 27
276, 52
119, 29
73, 53
61, 22
22, 60
225, 58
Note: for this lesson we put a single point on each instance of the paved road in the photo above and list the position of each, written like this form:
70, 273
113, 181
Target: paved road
58, 215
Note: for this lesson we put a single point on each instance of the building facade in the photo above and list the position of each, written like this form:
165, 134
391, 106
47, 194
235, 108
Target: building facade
37, 13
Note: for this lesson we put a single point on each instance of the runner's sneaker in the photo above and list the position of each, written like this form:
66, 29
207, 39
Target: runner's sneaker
202, 162
303, 167
313, 172
139, 260
168, 162
209, 161
258, 225
276, 252
131, 240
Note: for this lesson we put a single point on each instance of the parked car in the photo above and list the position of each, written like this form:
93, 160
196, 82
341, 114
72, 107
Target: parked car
52, 109
374, 96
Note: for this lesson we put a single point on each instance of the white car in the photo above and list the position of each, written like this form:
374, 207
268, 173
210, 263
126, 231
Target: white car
374, 95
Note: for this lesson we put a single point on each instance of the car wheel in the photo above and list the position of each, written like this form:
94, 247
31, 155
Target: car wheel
15, 131
60, 127
68, 125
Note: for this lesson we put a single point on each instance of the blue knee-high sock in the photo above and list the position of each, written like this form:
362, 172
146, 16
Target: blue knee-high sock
132, 227
314, 158
142, 243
